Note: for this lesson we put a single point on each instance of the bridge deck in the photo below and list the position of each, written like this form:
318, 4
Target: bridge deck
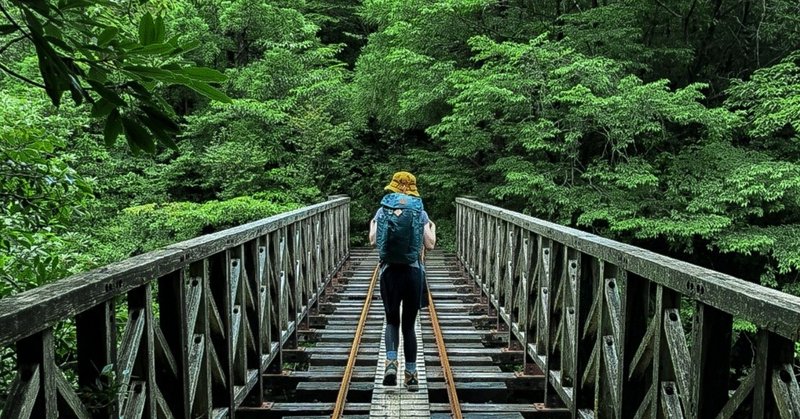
487, 373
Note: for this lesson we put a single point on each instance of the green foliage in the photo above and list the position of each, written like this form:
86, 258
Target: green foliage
147, 227
771, 103
40, 195
89, 49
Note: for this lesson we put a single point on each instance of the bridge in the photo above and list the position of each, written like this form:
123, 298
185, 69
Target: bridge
277, 318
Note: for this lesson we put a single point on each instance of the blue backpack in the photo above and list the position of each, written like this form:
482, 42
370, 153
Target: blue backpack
400, 229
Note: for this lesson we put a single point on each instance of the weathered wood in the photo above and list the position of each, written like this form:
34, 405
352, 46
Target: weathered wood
22, 395
29, 312
36, 353
583, 397
253, 271
635, 303
768, 308
630, 339
773, 353
172, 338
140, 305
741, 393
200, 383
710, 360
136, 400
96, 344
670, 402
215, 308
69, 404
679, 355
222, 343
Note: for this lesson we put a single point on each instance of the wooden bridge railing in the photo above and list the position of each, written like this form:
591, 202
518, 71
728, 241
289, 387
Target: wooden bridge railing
621, 332
202, 320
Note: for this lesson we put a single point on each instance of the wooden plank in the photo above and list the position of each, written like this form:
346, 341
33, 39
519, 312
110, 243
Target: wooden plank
254, 312
762, 369
136, 400
199, 366
37, 352
22, 395
222, 341
583, 397
786, 392
69, 404
656, 373
172, 334
732, 405
679, 355
710, 360
670, 401
637, 326
140, 306
96, 333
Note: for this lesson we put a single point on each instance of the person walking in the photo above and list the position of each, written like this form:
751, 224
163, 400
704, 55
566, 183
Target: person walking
400, 229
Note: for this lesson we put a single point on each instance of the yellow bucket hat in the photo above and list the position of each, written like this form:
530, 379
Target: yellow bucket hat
403, 182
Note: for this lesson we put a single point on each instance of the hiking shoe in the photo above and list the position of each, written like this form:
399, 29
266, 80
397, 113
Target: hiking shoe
411, 381
390, 374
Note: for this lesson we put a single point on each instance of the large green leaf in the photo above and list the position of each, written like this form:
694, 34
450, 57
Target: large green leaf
107, 35
202, 74
154, 49
147, 30
159, 30
106, 93
210, 92
160, 119
137, 136
113, 128
102, 108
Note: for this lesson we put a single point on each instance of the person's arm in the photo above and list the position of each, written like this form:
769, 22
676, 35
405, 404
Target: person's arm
429, 236
373, 231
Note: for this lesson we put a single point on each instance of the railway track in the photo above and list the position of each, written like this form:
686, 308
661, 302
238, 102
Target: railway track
466, 367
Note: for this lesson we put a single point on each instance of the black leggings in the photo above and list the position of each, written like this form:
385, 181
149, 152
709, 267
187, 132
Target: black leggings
401, 284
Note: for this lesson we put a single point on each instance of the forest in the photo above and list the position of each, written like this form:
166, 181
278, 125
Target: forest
129, 125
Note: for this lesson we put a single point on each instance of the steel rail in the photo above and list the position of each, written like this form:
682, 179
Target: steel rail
338, 409
455, 405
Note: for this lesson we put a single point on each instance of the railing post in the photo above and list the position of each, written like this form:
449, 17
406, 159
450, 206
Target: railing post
220, 313
140, 348
253, 311
96, 335
173, 330
636, 307
775, 392
33, 393
710, 360
201, 342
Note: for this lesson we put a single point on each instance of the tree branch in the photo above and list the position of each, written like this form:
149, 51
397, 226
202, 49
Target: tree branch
21, 77
672, 12
12, 42
12, 21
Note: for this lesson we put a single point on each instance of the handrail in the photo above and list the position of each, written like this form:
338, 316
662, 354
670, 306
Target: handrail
767, 308
603, 321
52, 302
227, 303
